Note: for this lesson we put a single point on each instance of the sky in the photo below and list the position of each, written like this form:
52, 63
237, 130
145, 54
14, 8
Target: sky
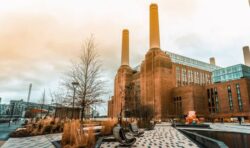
40, 38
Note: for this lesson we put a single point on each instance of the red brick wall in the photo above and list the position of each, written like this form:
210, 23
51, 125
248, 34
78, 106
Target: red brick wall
224, 109
192, 97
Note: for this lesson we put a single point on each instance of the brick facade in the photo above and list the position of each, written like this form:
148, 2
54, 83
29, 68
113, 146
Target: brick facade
170, 98
174, 88
224, 91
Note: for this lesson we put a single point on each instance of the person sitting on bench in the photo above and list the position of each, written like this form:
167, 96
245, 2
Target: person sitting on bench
119, 135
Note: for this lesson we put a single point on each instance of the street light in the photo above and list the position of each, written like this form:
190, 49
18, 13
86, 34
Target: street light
75, 84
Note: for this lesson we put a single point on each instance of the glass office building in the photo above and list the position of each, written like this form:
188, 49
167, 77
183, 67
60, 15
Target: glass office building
231, 73
179, 59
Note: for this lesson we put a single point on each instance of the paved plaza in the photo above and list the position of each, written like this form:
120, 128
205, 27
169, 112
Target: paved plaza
44, 141
162, 136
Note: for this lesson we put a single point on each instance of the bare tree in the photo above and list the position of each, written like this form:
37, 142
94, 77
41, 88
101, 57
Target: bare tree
60, 96
87, 72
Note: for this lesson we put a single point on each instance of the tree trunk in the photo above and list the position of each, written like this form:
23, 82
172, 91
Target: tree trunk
83, 113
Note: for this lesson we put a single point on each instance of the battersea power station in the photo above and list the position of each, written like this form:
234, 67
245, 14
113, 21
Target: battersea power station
173, 84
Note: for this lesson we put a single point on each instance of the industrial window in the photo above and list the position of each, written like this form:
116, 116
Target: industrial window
189, 76
206, 78
184, 76
201, 78
178, 105
178, 76
192, 76
216, 100
211, 100
195, 77
198, 78
239, 97
229, 91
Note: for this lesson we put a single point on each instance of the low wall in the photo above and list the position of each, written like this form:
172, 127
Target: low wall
191, 125
203, 140
231, 139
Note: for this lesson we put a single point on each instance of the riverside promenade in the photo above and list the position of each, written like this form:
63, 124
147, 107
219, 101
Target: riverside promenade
5, 130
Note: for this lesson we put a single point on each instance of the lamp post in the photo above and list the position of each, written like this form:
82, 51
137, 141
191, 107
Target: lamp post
75, 84
0, 106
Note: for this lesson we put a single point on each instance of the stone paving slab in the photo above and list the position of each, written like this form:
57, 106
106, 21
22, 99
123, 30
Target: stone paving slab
43, 141
161, 137
54, 137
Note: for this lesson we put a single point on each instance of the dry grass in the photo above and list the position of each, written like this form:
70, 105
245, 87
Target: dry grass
73, 136
41, 127
47, 126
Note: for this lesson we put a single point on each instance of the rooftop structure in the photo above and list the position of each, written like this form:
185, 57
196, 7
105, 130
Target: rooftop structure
231, 73
246, 54
179, 59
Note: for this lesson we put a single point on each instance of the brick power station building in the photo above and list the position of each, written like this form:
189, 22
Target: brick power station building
173, 84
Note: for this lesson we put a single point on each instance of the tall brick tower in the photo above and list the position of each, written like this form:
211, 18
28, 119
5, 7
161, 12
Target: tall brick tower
156, 72
212, 61
246, 54
122, 77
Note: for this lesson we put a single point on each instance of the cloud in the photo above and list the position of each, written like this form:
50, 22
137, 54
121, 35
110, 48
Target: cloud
38, 49
38, 39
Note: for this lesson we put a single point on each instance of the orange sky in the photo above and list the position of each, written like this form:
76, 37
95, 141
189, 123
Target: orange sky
38, 39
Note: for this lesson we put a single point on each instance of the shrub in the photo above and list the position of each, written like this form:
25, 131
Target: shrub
146, 115
52, 122
56, 128
44, 126
47, 129
20, 133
